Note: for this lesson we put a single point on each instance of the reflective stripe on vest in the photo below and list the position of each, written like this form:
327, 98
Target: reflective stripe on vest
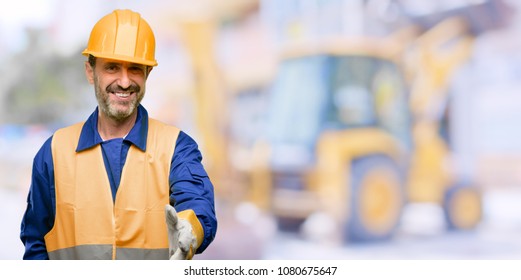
88, 224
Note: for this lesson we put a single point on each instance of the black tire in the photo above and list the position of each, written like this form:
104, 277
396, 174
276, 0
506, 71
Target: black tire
376, 199
462, 207
290, 225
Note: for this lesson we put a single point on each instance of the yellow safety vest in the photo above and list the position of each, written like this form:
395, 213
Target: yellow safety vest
88, 224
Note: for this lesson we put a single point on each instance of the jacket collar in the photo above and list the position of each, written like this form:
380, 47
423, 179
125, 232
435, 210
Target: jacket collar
90, 137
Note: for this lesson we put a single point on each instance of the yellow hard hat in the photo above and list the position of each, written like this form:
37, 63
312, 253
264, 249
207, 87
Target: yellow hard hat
123, 35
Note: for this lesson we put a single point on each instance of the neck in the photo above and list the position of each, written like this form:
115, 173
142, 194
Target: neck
110, 128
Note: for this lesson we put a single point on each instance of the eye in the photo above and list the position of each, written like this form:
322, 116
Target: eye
111, 68
136, 69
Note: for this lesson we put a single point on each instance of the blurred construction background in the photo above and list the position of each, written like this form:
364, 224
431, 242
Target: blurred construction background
332, 129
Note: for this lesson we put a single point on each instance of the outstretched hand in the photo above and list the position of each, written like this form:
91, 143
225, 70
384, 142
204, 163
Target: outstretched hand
182, 242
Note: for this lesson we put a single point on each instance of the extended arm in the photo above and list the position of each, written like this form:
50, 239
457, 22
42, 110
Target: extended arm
192, 191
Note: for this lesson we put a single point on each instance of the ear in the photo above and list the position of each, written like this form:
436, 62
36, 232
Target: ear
89, 72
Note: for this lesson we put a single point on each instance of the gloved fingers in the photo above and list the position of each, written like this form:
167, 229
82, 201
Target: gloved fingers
178, 255
183, 254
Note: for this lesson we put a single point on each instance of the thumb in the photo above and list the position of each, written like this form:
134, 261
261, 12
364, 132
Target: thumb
171, 224
171, 216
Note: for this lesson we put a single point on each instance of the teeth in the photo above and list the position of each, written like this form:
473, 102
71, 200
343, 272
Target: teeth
122, 94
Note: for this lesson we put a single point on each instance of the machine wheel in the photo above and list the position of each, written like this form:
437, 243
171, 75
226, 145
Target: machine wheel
376, 199
286, 224
462, 206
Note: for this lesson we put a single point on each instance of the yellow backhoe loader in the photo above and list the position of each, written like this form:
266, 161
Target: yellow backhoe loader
354, 133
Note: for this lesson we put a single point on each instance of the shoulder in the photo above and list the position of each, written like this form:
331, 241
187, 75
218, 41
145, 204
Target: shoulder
185, 139
63, 135
43, 160
45, 150
187, 148
154, 124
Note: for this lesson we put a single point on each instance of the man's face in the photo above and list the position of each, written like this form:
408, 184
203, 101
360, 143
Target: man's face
119, 86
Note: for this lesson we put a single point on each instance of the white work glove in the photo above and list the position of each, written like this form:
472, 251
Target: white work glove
181, 239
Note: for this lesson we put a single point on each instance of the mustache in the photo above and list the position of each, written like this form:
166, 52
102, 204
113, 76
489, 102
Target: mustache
117, 88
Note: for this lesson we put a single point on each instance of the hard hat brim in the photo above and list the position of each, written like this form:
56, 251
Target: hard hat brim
121, 58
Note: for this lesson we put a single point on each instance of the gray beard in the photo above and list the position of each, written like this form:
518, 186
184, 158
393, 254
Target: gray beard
109, 111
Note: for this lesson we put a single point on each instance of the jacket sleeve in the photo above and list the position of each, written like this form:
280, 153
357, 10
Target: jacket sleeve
39, 215
191, 188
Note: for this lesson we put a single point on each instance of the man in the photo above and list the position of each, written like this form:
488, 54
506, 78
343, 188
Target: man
100, 189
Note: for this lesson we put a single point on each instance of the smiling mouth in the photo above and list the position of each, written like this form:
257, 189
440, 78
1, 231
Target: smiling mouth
123, 94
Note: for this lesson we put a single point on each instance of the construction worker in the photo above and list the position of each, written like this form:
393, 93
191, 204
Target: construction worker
103, 188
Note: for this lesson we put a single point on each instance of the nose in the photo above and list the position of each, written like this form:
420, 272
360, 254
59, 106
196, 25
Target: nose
124, 79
